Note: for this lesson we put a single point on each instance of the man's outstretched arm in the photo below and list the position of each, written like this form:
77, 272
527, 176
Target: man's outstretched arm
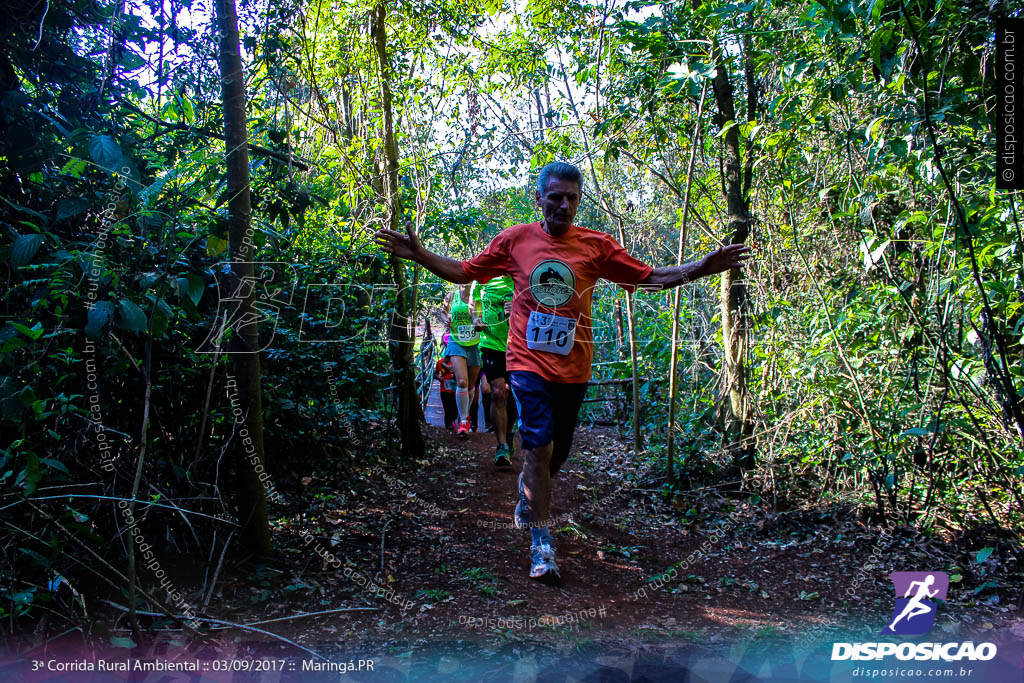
720, 260
408, 246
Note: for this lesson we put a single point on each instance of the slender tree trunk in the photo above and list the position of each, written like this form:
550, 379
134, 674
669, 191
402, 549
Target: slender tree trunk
673, 387
619, 334
547, 101
638, 436
401, 340
748, 69
117, 36
540, 117
621, 351
428, 338
247, 443
738, 425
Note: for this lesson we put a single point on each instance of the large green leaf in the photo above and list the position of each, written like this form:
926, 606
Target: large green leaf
215, 246
190, 286
71, 206
54, 464
132, 318
105, 151
32, 333
24, 249
196, 287
99, 316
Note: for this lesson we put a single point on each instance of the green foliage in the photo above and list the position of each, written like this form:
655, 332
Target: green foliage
114, 235
885, 318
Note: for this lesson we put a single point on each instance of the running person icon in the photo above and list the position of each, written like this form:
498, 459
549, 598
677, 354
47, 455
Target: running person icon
915, 607
554, 265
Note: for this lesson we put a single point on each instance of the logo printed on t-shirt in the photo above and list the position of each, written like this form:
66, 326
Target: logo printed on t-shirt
552, 283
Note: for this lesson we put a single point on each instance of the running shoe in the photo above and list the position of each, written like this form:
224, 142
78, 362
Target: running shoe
543, 567
463, 430
521, 517
501, 456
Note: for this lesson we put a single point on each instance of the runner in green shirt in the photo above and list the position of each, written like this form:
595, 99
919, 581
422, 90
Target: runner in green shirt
463, 343
496, 302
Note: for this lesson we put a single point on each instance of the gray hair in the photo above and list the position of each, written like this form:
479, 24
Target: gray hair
562, 170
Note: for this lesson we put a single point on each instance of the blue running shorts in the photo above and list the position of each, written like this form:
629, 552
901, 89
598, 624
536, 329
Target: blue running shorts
547, 412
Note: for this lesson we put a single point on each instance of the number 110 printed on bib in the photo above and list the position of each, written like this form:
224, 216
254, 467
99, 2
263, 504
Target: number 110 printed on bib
551, 333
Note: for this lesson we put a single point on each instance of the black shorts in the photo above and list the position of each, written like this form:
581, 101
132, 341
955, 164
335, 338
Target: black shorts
493, 363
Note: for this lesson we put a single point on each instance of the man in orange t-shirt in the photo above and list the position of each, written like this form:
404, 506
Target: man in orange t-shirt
554, 266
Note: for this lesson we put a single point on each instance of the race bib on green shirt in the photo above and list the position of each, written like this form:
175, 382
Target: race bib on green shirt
463, 330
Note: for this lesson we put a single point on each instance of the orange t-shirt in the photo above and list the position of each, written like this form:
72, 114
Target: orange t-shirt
554, 275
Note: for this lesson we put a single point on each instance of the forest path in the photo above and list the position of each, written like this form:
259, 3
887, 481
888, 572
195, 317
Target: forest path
431, 547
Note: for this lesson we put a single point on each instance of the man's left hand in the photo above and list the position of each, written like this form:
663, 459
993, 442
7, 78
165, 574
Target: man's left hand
726, 258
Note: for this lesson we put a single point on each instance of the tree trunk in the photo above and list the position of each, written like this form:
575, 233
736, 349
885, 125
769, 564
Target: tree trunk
638, 435
401, 340
247, 443
738, 426
673, 385
540, 117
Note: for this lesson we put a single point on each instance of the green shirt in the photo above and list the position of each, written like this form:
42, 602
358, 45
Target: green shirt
495, 294
463, 332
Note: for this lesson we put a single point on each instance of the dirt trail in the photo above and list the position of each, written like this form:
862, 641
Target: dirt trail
428, 552
454, 569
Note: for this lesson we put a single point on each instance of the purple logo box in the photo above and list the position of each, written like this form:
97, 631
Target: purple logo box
916, 592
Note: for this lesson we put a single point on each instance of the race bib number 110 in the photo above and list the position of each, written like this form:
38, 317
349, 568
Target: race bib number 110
551, 333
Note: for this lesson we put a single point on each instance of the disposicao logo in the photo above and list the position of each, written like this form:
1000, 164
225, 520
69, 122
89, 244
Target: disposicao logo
914, 615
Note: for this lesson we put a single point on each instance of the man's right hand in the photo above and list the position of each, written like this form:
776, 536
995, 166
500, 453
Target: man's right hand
408, 246
405, 246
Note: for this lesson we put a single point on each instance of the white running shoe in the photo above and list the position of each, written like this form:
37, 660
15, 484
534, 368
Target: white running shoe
544, 568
